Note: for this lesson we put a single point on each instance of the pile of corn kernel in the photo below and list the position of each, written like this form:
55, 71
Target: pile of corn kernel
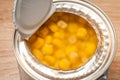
65, 42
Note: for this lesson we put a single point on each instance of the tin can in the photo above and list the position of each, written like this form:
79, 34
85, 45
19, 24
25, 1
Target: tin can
31, 69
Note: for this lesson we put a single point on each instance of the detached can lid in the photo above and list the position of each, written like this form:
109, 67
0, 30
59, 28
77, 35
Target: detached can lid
29, 15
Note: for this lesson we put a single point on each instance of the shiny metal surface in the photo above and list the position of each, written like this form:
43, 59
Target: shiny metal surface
29, 15
99, 62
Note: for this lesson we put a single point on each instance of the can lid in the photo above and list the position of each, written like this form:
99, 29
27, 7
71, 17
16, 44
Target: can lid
29, 15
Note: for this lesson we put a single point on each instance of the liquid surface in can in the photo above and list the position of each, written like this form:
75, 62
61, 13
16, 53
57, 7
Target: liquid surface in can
65, 42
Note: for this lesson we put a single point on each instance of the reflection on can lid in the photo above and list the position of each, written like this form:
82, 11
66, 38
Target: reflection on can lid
28, 15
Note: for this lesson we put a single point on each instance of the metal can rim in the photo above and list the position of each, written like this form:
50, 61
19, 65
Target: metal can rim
109, 61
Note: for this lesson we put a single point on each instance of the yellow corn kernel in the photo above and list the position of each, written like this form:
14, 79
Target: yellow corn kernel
81, 33
72, 18
59, 54
47, 49
91, 32
65, 18
44, 62
82, 21
90, 48
38, 43
32, 38
37, 53
57, 42
64, 64
56, 66
92, 36
85, 59
94, 39
48, 39
49, 59
77, 65
70, 49
72, 27
54, 18
62, 24
84, 56
53, 27
81, 45
42, 32
60, 35
72, 39
74, 57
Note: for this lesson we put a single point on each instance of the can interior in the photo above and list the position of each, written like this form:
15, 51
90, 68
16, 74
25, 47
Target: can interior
64, 43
